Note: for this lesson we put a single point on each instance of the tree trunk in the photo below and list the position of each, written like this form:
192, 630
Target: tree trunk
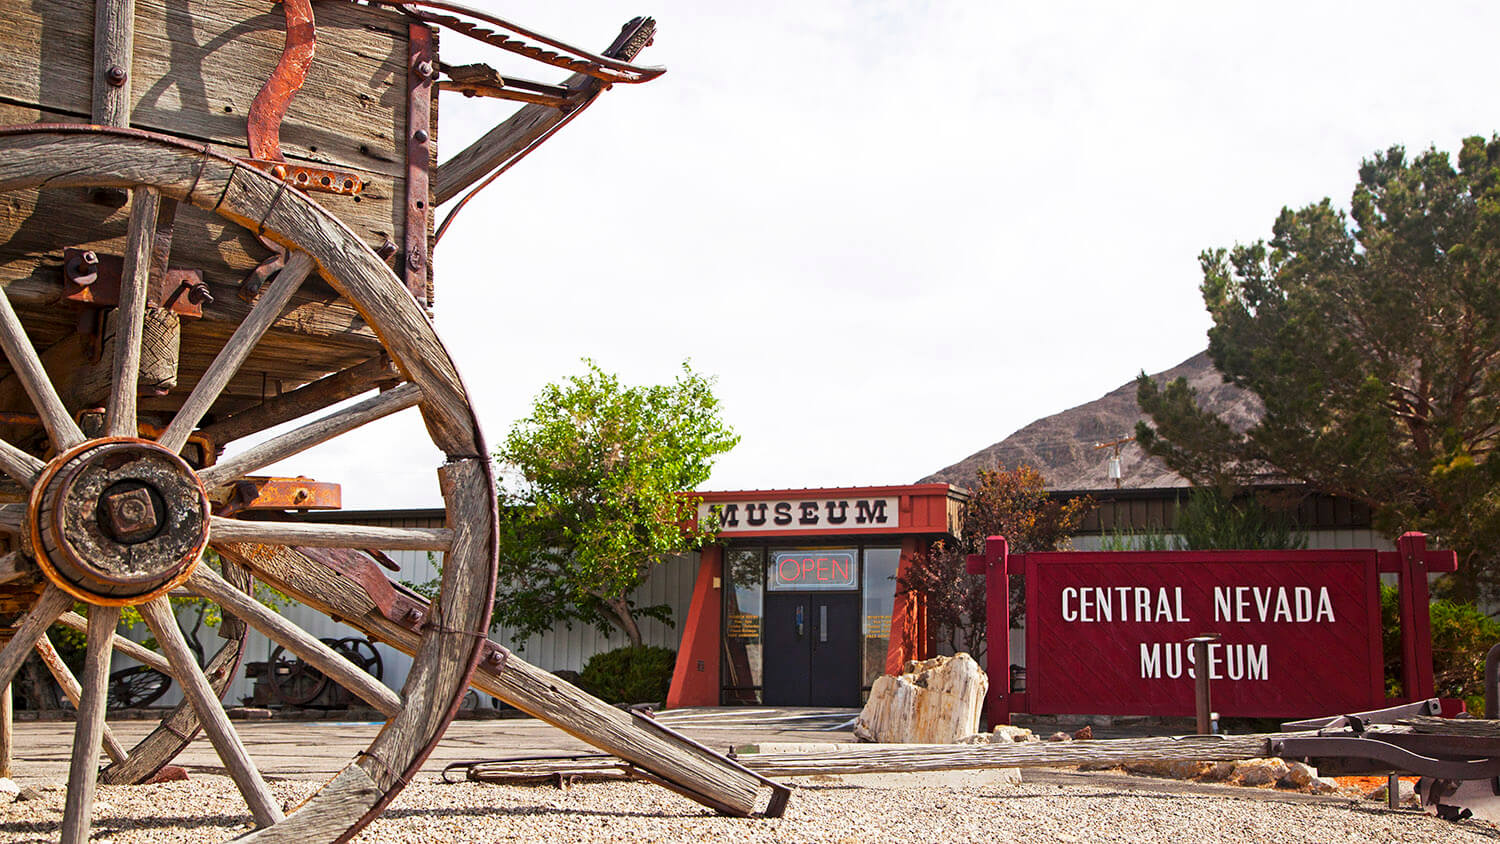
621, 617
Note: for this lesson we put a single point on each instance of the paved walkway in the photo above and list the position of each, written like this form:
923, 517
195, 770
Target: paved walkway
319, 749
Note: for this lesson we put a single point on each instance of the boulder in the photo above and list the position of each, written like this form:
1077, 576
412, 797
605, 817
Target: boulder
935, 701
9, 791
1006, 733
1260, 771
1299, 775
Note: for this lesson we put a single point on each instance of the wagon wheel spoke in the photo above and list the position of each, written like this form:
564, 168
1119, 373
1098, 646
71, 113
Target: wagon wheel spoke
335, 424
83, 768
11, 516
61, 428
73, 690
331, 535
240, 344
226, 742
134, 650
52, 603
120, 417
22, 467
206, 583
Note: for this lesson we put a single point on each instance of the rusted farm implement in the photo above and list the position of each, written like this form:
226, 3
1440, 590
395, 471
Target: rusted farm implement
174, 287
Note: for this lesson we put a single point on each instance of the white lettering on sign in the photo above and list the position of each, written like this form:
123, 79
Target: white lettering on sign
826, 514
1232, 604
1122, 603
1231, 661
1245, 604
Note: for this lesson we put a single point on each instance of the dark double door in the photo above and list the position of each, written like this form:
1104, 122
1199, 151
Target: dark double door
811, 654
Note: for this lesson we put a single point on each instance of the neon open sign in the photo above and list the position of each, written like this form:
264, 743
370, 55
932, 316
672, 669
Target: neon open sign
815, 569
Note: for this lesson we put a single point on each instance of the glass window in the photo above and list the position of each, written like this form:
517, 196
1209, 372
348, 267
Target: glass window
881, 565
804, 569
742, 623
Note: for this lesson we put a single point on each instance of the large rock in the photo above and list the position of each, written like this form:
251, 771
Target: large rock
935, 701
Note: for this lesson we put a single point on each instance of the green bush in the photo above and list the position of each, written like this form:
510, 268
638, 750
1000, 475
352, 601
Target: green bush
629, 674
1461, 636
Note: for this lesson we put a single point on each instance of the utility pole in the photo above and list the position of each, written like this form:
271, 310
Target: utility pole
1114, 459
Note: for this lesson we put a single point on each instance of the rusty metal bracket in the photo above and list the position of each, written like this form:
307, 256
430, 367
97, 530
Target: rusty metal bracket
256, 493
494, 657
394, 603
421, 71
92, 279
263, 125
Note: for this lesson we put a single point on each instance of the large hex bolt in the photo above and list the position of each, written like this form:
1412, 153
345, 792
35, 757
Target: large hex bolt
129, 515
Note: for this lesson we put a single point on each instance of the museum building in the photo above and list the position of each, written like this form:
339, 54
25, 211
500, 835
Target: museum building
797, 604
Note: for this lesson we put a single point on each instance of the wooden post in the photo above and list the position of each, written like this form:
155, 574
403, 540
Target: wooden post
1416, 628
7, 726
114, 36
994, 564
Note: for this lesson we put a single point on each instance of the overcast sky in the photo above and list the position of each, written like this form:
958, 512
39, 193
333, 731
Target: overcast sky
897, 232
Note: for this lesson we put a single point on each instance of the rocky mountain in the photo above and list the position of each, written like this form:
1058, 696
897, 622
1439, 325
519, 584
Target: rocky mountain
1062, 445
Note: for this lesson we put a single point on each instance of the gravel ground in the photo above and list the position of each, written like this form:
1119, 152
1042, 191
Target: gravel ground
207, 808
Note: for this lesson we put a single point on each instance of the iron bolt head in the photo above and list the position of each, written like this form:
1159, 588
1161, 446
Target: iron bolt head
424, 69
386, 249
198, 294
420, 136
414, 260
130, 515
116, 76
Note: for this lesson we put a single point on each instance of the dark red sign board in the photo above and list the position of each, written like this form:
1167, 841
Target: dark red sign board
1298, 634
1299, 631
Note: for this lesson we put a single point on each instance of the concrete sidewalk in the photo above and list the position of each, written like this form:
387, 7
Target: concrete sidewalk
316, 750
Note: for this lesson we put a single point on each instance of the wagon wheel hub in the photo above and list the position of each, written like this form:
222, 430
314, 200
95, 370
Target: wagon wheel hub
118, 521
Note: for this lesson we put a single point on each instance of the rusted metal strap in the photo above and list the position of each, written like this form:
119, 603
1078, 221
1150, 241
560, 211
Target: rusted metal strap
396, 606
263, 126
1389, 715
604, 68
421, 70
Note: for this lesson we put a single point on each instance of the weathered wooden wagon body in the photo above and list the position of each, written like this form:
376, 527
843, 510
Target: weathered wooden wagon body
216, 217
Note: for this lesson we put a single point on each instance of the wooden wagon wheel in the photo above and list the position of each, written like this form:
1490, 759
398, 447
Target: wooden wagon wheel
120, 520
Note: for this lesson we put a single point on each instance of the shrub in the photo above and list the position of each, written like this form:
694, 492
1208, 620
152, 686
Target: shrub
639, 674
1461, 636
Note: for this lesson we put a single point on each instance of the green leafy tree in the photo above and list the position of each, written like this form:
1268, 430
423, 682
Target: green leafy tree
1012, 503
1372, 339
593, 497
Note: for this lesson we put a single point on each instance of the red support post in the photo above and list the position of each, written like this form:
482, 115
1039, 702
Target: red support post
994, 564
1416, 628
695, 678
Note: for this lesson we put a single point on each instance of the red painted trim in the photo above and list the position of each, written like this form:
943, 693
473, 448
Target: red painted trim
701, 635
812, 535
942, 490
